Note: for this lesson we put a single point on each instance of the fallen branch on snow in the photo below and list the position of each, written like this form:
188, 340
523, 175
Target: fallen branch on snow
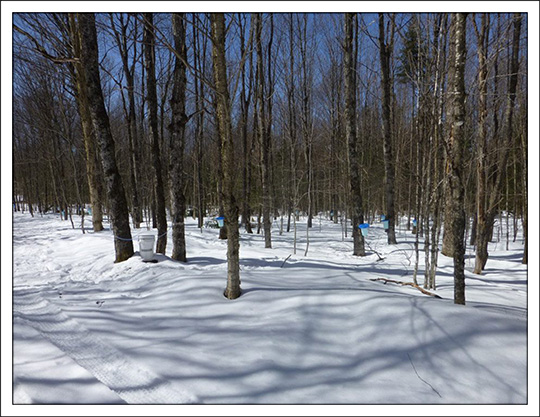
285, 261
412, 284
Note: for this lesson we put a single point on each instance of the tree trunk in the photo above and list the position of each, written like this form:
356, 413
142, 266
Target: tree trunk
440, 36
385, 50
350, 132
307, 134
200, 66
263, 135
525, 192
232, 290
245, 100
177, 141
494, 187
150, 65
121, 41
92, 163
481, 219
455, 149
291, 104
119, 215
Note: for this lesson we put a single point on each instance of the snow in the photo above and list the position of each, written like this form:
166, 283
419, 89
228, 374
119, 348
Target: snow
311, 330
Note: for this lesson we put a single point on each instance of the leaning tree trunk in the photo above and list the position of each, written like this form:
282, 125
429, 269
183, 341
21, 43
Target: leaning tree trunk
150, 65
455, 149
386, 83
350, 132
119, 215
177, 141
223, 108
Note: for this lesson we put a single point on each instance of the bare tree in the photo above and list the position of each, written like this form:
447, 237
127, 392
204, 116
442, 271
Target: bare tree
179, 120
121, 37
490, 188
349, 67
306, 119
150, 66
263, 133
291, 122
385, 49
455, 150
199, 63
115, 189
93, 167
223, 107
245, 100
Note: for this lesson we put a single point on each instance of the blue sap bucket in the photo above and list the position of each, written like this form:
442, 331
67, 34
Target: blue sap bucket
220, 221
415, 222
364, 228
386, 224
383, 217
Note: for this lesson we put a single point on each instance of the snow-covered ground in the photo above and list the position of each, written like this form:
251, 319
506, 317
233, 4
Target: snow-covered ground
309, 330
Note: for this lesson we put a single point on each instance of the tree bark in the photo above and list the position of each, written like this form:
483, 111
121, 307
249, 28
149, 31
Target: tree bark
440, 35
263, 135
232, 290
307, 133
177, 140
245, 100
385, 50
455, 149
150, 65
525, 194
121, 40
200, 66
493, 186
92, 162
291, 105
349, 63
482, 220
119, 215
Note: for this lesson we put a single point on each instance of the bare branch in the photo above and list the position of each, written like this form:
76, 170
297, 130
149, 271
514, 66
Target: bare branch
39, 48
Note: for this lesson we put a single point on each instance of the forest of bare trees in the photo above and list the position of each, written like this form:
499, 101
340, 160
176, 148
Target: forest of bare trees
138, 120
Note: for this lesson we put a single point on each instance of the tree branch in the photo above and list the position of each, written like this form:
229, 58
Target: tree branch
423, 291
39, 48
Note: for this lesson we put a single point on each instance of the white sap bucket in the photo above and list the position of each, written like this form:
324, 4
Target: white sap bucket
146, 246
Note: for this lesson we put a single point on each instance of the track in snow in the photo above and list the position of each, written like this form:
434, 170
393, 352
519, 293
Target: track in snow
132, 382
